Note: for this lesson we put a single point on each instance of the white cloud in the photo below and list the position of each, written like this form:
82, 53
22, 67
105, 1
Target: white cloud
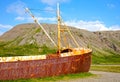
4, 28
49, 9
46, 18
114, 27
88, 25
91, 25
53, 2
20, 18
17, 8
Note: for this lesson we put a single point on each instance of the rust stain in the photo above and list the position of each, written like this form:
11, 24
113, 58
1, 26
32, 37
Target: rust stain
52, 66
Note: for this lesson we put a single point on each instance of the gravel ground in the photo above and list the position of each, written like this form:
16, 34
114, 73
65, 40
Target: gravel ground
101, 77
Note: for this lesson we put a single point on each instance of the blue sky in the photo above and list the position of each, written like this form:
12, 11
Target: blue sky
92, 15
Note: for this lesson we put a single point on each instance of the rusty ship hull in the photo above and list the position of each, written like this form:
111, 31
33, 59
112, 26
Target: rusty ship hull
51, 66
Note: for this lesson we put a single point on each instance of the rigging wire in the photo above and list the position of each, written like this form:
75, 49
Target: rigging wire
42, 10
36, 21
71, 34
68, 30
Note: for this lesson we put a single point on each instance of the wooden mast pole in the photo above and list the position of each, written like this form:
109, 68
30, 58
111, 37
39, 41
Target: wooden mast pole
59, 39
36, 21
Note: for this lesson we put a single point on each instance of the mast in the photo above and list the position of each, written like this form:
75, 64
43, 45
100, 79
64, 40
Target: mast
58, 17
36, 21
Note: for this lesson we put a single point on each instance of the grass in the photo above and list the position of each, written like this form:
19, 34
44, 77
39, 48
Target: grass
47, 50
105, 57
37, 30
107, 68
111, 59
28, 49
54, 78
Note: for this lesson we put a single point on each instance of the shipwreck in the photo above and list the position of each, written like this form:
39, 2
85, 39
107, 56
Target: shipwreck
65, 61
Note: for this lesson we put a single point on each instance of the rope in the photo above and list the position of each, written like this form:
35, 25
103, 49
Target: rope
71, 34
36, 21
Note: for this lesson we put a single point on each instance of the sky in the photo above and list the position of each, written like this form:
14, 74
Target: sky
92, 15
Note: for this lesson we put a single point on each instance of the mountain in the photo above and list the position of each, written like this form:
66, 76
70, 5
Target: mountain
103, 43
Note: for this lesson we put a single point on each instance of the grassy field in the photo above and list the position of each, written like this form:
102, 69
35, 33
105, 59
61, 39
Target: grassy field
111, 59
107, 68
53, 79
105, 57
28, 49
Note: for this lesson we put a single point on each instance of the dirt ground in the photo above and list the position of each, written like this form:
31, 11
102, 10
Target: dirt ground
101, 77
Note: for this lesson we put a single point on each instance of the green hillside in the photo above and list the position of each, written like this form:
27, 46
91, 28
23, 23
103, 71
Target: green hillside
29, 39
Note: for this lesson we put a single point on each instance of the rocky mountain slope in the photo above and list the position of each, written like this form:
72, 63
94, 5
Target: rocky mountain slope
104, 43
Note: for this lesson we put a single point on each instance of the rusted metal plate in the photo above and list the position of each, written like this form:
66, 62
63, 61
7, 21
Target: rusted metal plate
52, 66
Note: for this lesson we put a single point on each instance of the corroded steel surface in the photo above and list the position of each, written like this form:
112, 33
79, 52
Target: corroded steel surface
52, 66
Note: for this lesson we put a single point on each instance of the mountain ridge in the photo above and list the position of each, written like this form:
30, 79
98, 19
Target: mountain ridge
29, 39
31, 33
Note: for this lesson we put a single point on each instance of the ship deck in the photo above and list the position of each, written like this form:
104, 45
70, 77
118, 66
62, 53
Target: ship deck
75, 51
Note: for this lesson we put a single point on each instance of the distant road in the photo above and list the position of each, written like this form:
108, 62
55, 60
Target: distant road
101, 77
